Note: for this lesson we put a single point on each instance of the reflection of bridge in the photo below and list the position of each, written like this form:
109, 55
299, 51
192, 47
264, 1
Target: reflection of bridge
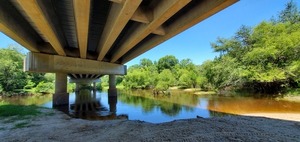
87, 106
85, 39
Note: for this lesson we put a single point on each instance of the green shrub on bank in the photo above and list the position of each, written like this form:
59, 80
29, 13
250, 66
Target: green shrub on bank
99, 86
71, 87
43, 87
293, 92
29, 85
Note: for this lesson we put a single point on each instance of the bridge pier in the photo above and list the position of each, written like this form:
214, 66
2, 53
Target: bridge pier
94, 86
60, 97
112, 101
112, 90
112, 94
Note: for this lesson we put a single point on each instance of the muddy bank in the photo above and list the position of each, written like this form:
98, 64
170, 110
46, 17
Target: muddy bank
56, 126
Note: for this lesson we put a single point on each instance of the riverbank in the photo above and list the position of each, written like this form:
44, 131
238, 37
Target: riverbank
281, 116
291, 98
53, 125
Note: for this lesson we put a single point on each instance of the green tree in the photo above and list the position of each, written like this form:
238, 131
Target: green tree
146, 62
49, 77
187, 64
44, 87
136, 79
13, 77
37, 77
188, 78
167, 62
165, 80
264, 58
11, 70
290, 13
104, 81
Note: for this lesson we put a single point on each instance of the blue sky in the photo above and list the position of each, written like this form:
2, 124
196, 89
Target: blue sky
194, 43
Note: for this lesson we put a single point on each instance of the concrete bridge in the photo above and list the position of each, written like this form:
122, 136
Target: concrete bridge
86, 39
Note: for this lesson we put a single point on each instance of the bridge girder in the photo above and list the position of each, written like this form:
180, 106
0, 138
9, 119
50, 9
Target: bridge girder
113, 31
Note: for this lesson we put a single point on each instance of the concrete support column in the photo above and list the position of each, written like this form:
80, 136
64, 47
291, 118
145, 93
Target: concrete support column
94, 94
94, 85
112, 91
60, 97
112, 94
77, 87
112, 101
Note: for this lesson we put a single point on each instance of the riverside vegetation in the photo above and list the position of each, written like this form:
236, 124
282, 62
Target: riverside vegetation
260, 59
14, 81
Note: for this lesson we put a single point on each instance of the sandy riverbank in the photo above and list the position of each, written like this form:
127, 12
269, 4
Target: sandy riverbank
281, 116
60, 127
291, 98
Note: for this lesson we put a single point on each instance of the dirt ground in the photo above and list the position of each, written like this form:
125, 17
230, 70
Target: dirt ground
56, 126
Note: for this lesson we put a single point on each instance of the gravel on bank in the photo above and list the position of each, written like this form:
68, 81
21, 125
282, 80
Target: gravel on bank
60, 127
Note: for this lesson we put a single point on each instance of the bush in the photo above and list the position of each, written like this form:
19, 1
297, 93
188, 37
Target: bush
50, 77
293, 92
162, 86
71, 87
99, 86
43, 87
29, 85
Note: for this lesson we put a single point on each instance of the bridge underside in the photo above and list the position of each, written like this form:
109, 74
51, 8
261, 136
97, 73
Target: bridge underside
98, 34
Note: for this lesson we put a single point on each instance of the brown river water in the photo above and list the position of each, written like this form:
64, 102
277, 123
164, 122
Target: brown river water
142, 105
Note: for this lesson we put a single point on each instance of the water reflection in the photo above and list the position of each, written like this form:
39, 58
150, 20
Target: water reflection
88, 106
142, 105
40, 100
148, 105
179, 105
244, 105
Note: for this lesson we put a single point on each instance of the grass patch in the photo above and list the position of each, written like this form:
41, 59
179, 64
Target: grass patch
7, 110
3, 103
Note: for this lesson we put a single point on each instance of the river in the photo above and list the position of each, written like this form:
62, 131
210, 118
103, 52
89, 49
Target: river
143, 106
